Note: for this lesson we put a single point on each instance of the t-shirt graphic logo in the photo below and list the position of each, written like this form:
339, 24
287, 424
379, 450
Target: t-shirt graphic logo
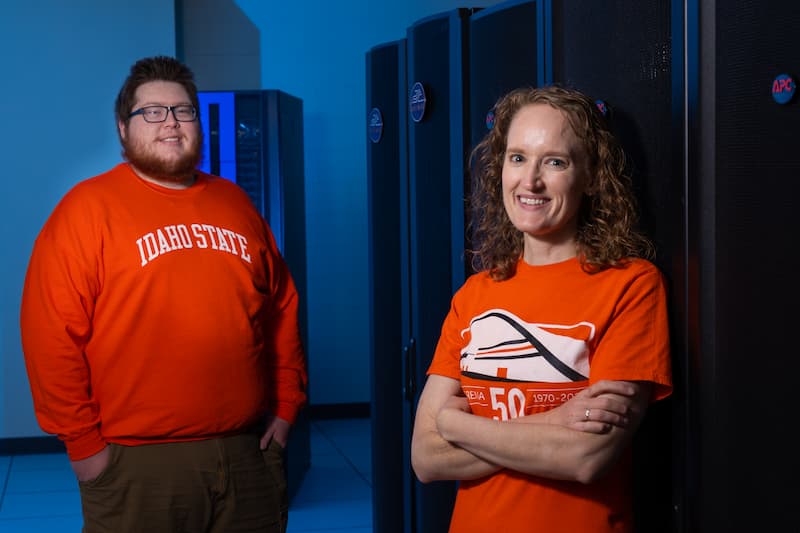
503, 347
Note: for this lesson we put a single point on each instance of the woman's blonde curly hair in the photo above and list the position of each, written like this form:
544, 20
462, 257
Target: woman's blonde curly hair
607, 218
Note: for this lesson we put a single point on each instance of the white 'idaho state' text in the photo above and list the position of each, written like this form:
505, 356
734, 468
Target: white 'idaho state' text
179, 237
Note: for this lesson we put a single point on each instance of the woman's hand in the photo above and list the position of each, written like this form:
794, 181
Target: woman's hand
457, 402
596, 409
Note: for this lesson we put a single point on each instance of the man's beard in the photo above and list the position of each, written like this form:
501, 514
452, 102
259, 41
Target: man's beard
150, 164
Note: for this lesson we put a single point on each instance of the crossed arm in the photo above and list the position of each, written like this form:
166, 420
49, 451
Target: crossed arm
449, 442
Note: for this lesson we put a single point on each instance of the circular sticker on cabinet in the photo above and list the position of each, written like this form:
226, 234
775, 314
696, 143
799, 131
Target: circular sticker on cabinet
375, 125
490, 120
602, 106
783, 88
416, 102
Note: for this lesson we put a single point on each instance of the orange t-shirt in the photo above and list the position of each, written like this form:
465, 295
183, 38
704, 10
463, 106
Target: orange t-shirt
530, 343
152, 315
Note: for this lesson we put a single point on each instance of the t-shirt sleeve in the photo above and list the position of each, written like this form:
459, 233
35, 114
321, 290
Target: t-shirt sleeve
635, 345
454, 335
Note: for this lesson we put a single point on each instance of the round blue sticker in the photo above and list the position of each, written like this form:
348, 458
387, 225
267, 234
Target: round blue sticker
416, 102
602, 106
783, 88
375, 125
490, 120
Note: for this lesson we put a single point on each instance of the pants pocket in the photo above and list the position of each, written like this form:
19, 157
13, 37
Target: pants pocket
279, 497
103, 497
106, 475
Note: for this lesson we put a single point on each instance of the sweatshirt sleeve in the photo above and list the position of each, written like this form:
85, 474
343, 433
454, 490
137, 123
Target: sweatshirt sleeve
58, 299
287, 373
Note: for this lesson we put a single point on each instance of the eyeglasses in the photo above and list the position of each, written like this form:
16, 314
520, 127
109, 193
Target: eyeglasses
159, 113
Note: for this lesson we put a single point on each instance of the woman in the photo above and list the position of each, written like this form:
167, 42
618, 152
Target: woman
550, 355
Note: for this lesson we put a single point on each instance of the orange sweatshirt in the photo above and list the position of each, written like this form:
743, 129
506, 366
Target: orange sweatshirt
528, 344
155, 315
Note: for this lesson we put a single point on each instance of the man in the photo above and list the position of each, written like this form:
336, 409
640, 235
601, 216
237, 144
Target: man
159, 326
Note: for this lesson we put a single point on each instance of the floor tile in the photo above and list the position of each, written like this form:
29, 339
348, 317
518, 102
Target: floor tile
320, 443
330, 514
42, 461
351, 437
348, 530
40, 504
348, 434
65, 524
40, 480
5, 470
331, 478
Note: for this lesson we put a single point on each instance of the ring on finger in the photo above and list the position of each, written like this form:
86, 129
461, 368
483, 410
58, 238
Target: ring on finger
586, 414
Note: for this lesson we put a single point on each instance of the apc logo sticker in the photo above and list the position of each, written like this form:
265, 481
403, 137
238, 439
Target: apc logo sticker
416, 102
375, 125
783, 88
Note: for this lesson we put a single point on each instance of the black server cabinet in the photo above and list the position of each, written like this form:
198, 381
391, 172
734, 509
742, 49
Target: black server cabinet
620, 53
505, 52
255, 138
386, 177
743, 163
433, 220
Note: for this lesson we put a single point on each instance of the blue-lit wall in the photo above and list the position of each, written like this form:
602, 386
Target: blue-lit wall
63, 63
315, 50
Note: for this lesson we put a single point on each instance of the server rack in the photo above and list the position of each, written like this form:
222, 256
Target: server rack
387, 180
741, 162
505, 52
433, 222
627, 68
255, 139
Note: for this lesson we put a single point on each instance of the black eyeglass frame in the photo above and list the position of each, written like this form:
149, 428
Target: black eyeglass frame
168, 108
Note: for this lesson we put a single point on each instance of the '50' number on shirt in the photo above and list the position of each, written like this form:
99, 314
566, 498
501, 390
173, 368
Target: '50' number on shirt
510, 404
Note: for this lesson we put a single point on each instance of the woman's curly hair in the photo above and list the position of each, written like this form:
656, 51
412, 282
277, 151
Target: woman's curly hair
606, 235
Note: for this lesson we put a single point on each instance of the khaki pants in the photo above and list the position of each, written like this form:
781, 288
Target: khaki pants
222, 485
